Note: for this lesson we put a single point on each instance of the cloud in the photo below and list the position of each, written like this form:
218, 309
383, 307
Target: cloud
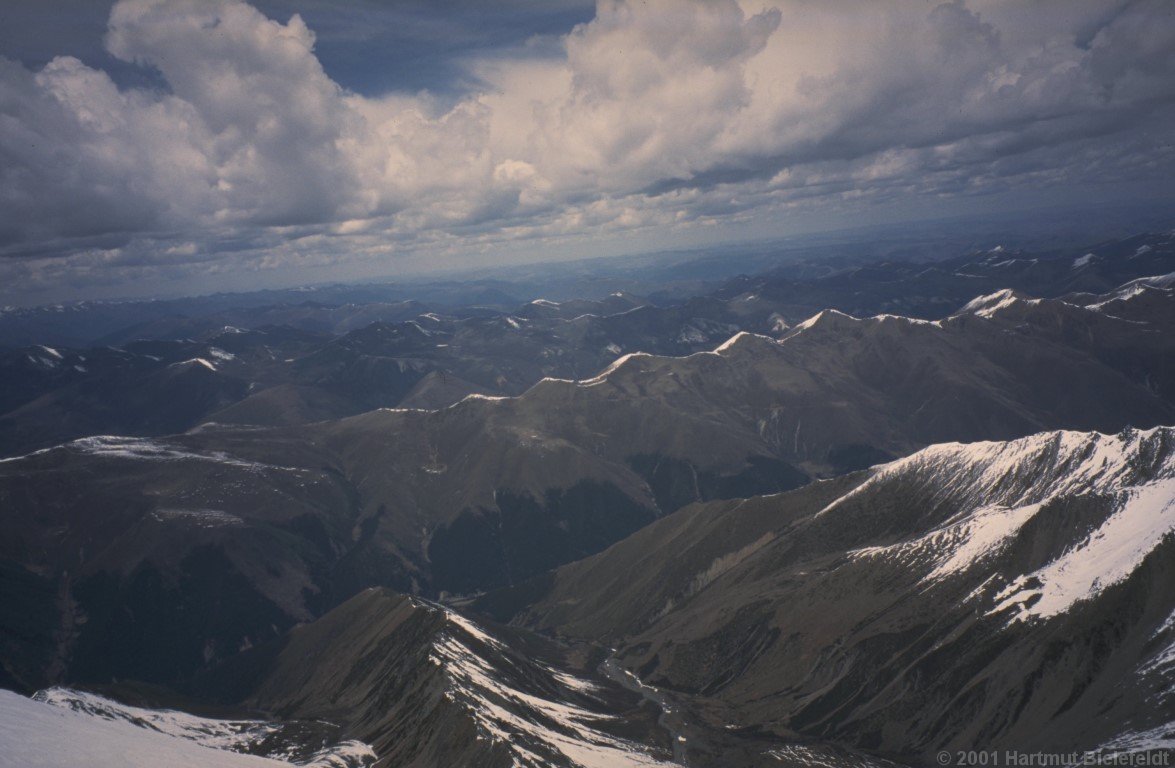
269, 122
658, 114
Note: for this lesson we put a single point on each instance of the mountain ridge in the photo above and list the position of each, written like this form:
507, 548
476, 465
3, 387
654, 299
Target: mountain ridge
1015, 589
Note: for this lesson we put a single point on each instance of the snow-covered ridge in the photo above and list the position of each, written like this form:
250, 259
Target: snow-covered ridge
1158, 281
1146, 516
1037, 468
1138, 287
66, 727
468, 398
1001, 486
742, 337
535, 728
993, 304
989, 305
602, 376
906, 320
824, 316
834, 319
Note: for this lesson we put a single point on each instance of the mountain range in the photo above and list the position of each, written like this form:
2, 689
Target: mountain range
279, 358
850, 518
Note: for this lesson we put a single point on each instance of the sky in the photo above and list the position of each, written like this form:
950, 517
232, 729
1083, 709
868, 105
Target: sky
169, 146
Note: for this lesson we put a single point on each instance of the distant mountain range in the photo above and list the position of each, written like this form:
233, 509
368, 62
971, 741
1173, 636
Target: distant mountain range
291, 362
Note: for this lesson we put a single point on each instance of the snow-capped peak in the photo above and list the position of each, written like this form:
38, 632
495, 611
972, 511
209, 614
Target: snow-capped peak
825, 317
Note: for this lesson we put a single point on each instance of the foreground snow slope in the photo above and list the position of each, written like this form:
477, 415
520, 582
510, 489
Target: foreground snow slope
64, 729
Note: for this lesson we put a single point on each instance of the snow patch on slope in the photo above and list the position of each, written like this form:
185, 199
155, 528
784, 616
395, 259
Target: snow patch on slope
218, 734
1164, 660
201, 518
193, 363
145, 449
1001, 486
1106, 557
1133, 742
63, 727
956, 546
991, 304
527, 724
821, 756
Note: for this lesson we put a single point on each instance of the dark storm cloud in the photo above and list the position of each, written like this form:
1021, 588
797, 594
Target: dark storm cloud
258, 137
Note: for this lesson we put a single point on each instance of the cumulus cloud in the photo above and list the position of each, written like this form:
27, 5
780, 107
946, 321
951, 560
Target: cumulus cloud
266, 120
656, 114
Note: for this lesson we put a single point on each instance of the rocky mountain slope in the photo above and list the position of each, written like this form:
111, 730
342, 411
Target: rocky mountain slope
970, 596
995, 595
428, 686
425, 686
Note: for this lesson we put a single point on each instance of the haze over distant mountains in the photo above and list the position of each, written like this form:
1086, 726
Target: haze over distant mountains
349, 350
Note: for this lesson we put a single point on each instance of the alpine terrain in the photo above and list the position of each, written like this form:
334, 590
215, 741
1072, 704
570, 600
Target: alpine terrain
728, 529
